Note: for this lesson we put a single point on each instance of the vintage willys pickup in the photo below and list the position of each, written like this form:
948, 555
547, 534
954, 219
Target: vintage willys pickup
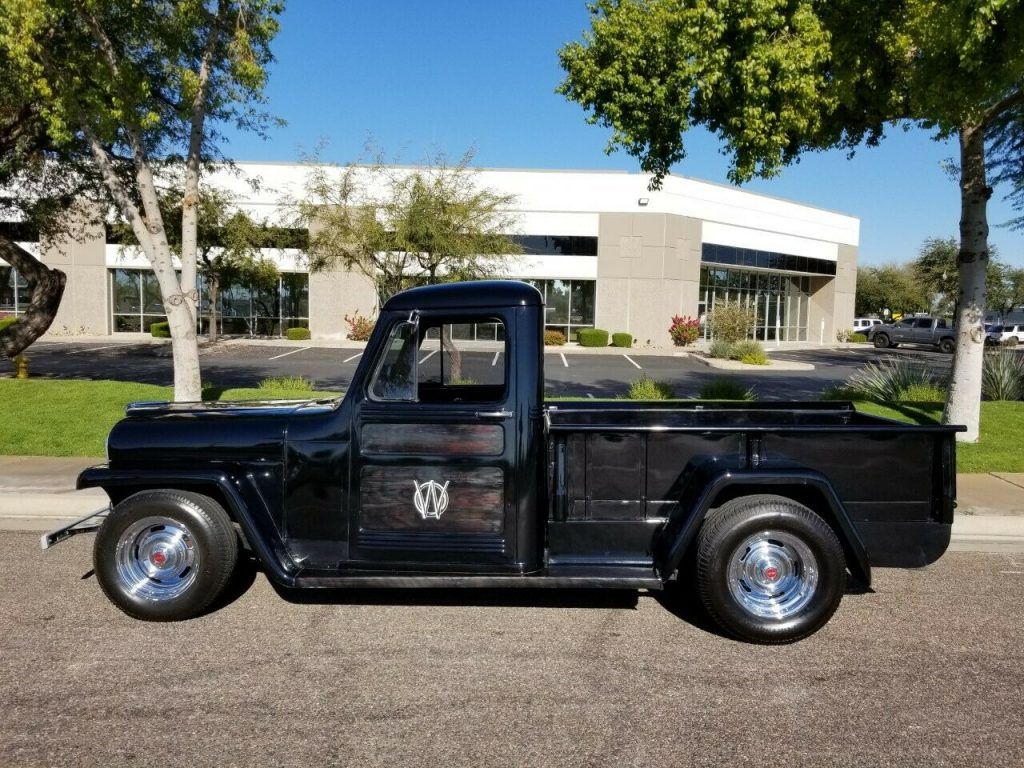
443, 467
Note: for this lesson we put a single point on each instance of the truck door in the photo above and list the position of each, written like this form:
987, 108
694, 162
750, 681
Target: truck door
435, 440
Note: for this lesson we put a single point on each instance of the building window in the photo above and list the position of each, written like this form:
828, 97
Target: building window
243, 310
780, 302
568, 304
556, 245
781, 262
15, 294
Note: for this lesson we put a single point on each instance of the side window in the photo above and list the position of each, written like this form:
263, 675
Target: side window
941, 324
905, 324
442, 362
395, 378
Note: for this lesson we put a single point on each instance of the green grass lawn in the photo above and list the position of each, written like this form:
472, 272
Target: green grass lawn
45, 417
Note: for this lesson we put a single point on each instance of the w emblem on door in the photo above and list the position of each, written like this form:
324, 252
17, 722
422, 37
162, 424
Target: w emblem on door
431, 499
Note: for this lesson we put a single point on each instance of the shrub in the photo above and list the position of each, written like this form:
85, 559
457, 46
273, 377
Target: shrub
646, 388
731, 321
592, 337
922, 393
1002, 376
749, 352
359, 327
684, 330
6, 321
297, 334
622, 340
292, 383
840, 393
888, 380
160, 330
720, 349
843, 335
726, 389
1010, 342
554, 338
858, 338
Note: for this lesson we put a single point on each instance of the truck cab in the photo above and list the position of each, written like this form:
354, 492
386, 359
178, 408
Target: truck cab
442, 466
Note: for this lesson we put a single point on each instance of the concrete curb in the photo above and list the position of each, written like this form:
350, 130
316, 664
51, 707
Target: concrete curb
736, 365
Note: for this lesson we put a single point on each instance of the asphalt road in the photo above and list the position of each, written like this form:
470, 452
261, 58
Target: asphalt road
924, 672
572, 374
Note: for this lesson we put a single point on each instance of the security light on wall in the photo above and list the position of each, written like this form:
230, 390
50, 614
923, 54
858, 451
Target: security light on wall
643, 201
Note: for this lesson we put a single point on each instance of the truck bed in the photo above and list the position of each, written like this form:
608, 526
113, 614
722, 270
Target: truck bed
618, 472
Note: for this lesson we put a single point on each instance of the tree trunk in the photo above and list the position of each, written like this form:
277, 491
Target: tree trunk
212, 317
454, 355
47, 290
964, 404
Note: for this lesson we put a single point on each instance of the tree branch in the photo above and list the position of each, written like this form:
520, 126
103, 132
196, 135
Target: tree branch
47, 289
1011, 100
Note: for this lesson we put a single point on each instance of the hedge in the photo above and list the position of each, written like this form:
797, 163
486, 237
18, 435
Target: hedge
592, 337
160, 330
297, 334
622, 340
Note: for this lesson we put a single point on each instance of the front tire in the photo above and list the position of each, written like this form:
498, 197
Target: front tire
881, 341
769, 570
165, 555
947, 346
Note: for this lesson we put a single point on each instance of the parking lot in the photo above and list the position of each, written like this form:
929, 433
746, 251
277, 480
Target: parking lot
924, 672
566, 373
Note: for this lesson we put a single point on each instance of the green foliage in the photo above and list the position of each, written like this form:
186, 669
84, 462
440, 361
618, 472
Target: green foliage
622, 340
726, 389
160, 330
646, 388
1002, 376
937, 272
684, 330
840, 393
592, 337
922, 393
892, 286
401, 228
360, 327
289, 383
720, 349
857, 338
553, 338
886, 381
731, 321
7, 321
749, 352
297, 334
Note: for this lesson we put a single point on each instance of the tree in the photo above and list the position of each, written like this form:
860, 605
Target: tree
935, 269
41, 177
892, 287
402, 227
777, 78
145, 84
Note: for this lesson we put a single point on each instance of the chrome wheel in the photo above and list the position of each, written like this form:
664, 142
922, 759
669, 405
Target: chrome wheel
156, 559
772, 575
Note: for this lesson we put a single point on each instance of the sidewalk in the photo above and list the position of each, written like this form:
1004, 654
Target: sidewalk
37, 494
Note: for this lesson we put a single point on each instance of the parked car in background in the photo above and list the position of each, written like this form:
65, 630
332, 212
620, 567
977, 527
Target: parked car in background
1011, 335
993, 334
864, 324
931, 331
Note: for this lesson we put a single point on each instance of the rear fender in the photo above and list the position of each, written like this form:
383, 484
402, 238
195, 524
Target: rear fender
706, 490
241, 505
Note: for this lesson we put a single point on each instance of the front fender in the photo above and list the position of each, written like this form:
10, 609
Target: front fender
239, 493
705, 485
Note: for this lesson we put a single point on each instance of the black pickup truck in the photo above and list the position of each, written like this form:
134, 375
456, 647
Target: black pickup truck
930, 331
423, 475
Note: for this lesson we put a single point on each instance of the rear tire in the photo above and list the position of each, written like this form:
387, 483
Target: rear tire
769, 570
165, 555
947, 346
881, 341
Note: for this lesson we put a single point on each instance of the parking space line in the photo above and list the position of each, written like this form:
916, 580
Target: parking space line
350, 359
564, 361
290, 352
590, 395
94, 349
428, 357
494, 362
634, 362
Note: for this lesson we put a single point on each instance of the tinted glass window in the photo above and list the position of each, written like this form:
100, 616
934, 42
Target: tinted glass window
396, 375
922, 323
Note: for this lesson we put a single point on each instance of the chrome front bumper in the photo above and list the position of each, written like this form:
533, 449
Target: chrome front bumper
87, 524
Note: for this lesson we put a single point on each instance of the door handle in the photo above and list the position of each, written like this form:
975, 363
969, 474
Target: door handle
494, 414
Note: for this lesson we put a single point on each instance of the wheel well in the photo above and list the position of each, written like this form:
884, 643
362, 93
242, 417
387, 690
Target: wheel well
119, 493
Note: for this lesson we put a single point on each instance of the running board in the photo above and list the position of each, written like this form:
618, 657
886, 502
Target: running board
558, 577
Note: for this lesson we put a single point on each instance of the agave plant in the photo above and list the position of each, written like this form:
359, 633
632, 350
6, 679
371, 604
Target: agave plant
1002, 377
888, 380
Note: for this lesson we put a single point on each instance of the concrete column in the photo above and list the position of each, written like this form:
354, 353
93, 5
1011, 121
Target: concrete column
648, 270
832, 298
82, 256
334, 293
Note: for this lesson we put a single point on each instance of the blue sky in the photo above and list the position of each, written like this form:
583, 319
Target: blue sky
446, 75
